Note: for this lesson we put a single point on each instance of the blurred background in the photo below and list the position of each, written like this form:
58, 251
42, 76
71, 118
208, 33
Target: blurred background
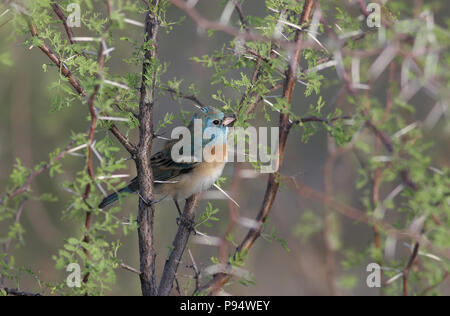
29, 130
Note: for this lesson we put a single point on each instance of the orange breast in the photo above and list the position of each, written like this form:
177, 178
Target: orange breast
221, 151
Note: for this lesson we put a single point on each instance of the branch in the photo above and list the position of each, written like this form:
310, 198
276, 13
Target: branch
129, 268
244, 21
57, 61
33, 175
407, 270
7, 243
217, 26
179, 245
145, 176
129, 146
190, 97
360, 216
17, 292
63, 18
90, 163
221, 279
72, 79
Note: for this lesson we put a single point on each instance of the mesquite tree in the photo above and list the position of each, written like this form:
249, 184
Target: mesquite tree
359, 65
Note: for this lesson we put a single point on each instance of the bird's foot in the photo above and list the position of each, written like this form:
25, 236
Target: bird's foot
188, 223
150, 203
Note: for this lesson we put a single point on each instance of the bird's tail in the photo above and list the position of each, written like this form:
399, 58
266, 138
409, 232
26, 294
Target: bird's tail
115, 196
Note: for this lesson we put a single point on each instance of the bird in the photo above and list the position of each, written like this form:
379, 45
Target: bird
182, 178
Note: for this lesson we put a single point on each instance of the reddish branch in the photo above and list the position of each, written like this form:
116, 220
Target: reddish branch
77, 86
63, 18
241, 14
221, 279
70, 34
90, 163
57, 61
407, 270
249, 35
378, 174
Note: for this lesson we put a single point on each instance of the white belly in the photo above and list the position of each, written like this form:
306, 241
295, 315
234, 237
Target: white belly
200, 179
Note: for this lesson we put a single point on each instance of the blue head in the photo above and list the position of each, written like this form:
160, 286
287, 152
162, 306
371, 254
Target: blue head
214, 124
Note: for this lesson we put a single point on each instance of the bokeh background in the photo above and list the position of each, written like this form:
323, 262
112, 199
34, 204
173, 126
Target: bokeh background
29, 130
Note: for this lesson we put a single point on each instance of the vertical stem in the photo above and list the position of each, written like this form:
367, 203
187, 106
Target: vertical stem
143, 164
90, 163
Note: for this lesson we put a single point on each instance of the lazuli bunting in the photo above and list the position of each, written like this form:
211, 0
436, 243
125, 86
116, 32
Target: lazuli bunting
181, 179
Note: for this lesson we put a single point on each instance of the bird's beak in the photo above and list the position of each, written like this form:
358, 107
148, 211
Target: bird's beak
229, 120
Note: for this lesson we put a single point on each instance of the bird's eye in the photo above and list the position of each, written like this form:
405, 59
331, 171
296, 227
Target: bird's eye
216, 122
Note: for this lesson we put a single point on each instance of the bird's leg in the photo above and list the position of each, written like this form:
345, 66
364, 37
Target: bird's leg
182, 220
178, 206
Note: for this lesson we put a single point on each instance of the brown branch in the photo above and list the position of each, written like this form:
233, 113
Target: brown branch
363, 8
256, 75
407, 270
354, 213
387, 142
182, 95
17, 292
129, 146
378, 174
63, 18
197, 273
249, 35
57, 61
7, 243
242, 18
179, 245
310, 119
108, 7
90, 163
25, 187
72, 79
360, 216
145, 176
221, 279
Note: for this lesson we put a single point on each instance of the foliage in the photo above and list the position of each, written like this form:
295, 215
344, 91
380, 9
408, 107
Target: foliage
381, 131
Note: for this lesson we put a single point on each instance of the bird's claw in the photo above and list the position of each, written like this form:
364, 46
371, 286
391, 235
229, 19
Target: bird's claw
189, 223
150, 203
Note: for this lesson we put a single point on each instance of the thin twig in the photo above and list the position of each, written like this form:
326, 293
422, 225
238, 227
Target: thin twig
407, 270
129, 268
190, 97
63, 18
90, 163
225, 28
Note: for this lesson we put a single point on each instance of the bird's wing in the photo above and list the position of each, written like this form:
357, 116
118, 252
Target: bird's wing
165, 169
